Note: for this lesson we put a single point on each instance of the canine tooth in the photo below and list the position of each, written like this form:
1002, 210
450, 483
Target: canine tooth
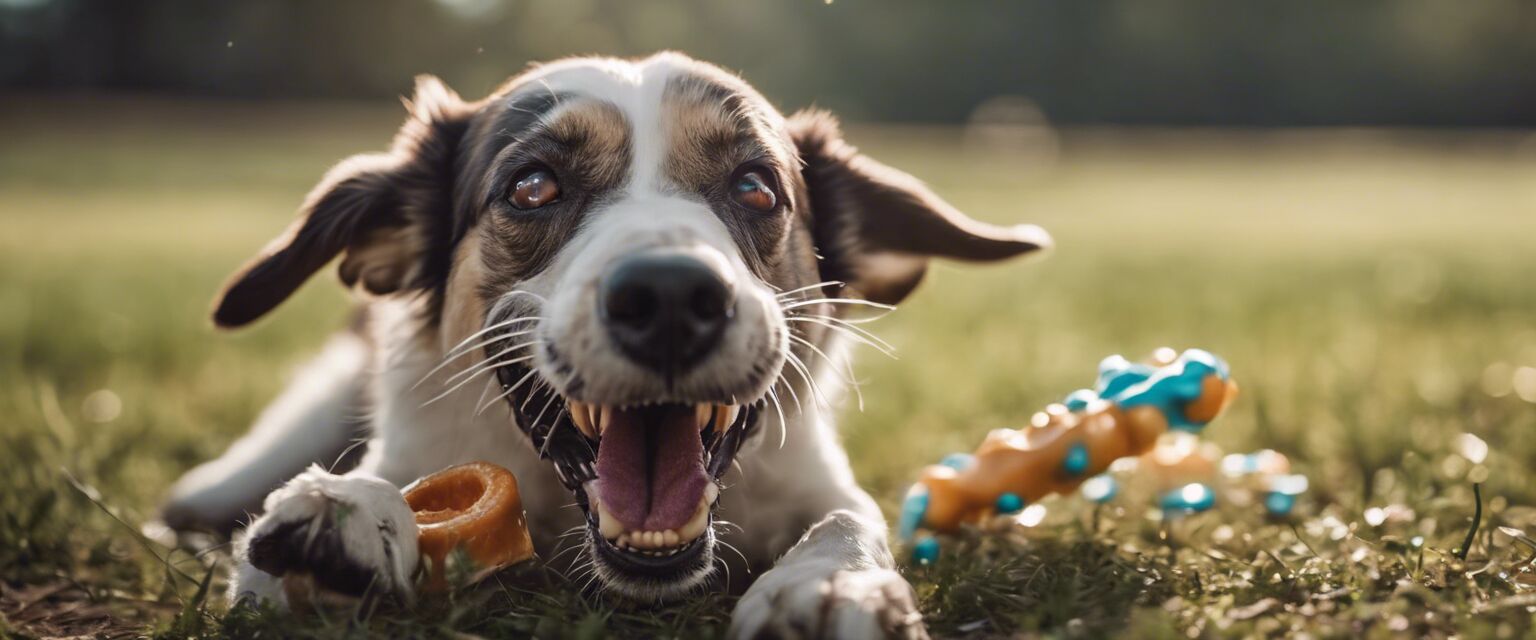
725, 416
607, 524
582, 417
711, 491
604, 416
701, 415
695, 525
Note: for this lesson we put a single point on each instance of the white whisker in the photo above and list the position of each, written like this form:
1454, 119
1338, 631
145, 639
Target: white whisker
727, 566
488, 361
451, 357
850, 332
824, 283
783, 424
794, 363
851, 326
799, 408
465, 381
739, 554
848, 379
558, 554
486, 390
549, 437
491, 328
540, 418
487, 368
848, 301
538, 383
508, 392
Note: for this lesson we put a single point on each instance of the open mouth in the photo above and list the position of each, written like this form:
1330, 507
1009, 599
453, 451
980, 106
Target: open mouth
646, 477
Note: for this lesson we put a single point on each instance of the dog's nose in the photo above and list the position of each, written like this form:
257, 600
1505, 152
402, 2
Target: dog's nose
666, 311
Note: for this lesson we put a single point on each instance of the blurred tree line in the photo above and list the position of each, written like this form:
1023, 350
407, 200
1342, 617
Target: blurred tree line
1232, 62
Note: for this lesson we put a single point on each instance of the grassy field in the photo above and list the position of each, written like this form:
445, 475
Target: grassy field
1372, 291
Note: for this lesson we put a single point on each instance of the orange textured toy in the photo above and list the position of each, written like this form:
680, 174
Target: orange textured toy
474, 509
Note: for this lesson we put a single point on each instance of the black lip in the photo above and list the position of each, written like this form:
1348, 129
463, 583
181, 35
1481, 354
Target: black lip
679, 565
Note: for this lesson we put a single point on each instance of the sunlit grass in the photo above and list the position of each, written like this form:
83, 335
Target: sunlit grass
1372, 292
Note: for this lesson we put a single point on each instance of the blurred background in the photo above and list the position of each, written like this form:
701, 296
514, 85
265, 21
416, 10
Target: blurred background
1337, 197
1205, 62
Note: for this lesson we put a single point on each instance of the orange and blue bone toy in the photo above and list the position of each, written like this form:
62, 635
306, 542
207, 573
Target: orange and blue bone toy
1187, 474
1130, 406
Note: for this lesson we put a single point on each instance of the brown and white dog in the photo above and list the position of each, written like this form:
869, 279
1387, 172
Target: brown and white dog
626, 281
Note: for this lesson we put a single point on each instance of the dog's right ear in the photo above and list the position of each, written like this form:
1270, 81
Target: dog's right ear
384, 211
876, 227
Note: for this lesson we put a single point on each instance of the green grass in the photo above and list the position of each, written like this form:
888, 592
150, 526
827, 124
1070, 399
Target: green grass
1371, 291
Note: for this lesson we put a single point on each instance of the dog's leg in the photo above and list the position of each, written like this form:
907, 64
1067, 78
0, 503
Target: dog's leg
353, 533
313, 421
350, 534
839, 579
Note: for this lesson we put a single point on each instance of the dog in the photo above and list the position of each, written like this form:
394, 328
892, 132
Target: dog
631, 282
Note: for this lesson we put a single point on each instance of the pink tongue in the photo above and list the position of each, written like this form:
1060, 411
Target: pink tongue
650, 468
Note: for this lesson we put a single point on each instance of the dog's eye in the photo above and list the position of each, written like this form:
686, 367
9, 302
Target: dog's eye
534, 188
752, 188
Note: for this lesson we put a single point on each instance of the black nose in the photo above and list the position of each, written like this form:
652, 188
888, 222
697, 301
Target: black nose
666, 311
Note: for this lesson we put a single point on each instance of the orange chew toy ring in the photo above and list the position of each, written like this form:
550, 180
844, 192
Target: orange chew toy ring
473, 509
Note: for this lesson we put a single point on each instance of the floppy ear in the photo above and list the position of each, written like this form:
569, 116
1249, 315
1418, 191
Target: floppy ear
876, 227
388, 213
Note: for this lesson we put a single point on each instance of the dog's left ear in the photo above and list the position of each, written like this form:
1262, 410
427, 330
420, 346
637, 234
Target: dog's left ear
876, 227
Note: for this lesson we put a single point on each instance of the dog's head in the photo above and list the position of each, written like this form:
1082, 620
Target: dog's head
638, 251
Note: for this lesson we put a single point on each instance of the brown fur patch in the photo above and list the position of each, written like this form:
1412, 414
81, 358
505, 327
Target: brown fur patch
463, 311
385, 260
714, 124
586, 144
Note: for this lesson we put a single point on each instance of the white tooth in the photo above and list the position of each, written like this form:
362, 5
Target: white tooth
695, 525
623, 541
582, 418
604, 416
607, 524
669, 538
711, 491
701, 414
725, 416
654, 537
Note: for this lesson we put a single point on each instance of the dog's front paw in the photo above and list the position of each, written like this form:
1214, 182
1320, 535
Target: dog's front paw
811, 601
345, 535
